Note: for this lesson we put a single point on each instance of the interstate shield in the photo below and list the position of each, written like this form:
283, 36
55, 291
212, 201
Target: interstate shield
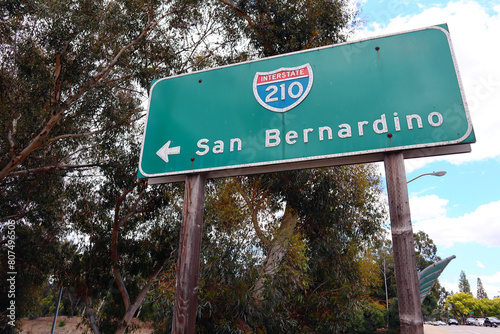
283, 89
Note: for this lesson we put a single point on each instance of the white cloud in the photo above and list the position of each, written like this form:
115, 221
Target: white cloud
491, 284
449, 286
480, 226
480, 265
474, 32
491, 290
493, 279
427, 207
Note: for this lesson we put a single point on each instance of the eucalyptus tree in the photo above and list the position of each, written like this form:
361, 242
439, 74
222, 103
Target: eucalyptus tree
75, 72
282, 252
74, 78
277, 27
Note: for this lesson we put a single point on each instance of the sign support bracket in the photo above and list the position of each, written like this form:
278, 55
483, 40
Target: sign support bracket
405, 263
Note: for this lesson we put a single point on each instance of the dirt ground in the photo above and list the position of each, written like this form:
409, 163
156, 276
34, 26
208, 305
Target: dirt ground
44, 326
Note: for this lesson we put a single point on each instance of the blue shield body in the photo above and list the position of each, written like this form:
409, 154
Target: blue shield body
283, 89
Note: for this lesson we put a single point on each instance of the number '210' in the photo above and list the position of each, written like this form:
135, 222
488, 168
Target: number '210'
274, 89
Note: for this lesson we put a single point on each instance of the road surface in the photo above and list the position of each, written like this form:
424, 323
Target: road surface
429, 329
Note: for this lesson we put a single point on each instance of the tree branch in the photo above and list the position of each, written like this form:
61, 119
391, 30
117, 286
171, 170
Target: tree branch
54, 168
254, 209
11, 133
74, 135
121, 287
90, 313
140, 297
62, 107
251, 24
19, 215
117, 224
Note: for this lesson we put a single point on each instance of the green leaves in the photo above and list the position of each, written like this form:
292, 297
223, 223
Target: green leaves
463, 305
481, 293
463, 283
277, 27
283, 251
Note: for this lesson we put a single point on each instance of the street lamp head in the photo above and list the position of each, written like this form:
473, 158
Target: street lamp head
440, 173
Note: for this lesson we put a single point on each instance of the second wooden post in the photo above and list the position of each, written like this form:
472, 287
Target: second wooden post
403, 245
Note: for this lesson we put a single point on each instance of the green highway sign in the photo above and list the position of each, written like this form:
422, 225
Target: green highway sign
345, 103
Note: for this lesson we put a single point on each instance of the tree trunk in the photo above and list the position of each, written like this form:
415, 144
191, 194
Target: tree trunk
70, 303
90, 313
139, 299
132, 309
275, 254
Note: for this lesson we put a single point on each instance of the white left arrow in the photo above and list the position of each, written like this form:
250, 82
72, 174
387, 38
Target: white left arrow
166, 150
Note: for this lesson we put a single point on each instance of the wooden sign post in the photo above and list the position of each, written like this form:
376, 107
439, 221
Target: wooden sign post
405, 263
188, 263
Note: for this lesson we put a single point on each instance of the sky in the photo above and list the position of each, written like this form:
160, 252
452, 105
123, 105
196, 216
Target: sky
460, 211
